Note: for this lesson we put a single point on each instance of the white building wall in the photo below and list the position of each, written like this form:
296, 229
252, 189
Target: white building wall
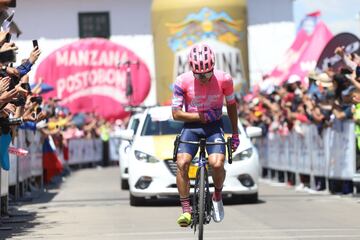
58, 19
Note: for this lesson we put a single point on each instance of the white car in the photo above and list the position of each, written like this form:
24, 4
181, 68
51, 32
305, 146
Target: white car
124, 148
152, 170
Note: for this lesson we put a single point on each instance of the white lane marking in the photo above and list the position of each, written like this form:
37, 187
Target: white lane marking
287, 237
255, 231
259, 237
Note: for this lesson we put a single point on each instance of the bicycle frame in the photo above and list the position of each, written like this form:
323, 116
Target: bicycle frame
202, 159
201, 198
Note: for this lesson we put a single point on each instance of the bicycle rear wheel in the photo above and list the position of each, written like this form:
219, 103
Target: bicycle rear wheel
201, 203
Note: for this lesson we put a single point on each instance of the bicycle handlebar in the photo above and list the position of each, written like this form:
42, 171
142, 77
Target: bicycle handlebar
207, 143
227, 143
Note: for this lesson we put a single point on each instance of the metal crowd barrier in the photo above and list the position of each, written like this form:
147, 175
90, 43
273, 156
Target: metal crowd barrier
114, 144
83, 151
22, 170
330, 156
25, 171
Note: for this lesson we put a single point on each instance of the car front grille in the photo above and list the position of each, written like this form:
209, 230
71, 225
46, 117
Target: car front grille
171, 165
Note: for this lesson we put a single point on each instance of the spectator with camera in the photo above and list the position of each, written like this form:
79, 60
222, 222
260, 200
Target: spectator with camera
17, 103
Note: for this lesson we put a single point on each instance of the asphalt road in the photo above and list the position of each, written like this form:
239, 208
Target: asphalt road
90, 205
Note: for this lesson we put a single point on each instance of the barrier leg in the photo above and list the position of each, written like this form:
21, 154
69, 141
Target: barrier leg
41, 183
327, 188
355, 188
286, 177
21, 189
274, 174
5, 205
297, 179
312, 182
17, 185
280, 176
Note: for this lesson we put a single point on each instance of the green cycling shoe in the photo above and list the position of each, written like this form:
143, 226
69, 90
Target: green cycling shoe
184, 220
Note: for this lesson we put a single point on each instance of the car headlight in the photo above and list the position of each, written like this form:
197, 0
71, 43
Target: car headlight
141, 156
243, 155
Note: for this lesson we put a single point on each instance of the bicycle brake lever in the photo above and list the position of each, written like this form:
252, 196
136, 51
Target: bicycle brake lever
229, 141
176, 147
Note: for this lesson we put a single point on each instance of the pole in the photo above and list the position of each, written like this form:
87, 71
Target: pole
129, 86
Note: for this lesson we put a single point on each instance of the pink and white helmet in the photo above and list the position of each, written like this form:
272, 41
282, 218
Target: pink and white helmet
201, 58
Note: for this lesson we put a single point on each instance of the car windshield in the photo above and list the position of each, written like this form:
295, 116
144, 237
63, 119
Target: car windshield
169, 127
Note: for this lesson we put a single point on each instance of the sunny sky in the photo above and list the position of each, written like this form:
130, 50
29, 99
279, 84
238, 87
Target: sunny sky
339, 16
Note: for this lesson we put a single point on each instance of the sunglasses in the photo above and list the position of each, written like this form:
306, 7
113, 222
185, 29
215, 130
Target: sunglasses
203, 75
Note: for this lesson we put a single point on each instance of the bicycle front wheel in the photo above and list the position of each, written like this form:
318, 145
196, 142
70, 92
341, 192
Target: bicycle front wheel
201, 202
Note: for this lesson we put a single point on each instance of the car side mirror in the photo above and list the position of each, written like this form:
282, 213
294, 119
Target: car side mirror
254, 132
127, 134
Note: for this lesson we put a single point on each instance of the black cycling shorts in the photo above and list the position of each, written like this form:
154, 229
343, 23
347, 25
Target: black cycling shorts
213, 132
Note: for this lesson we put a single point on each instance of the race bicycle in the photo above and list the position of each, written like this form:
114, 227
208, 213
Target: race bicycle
202, 204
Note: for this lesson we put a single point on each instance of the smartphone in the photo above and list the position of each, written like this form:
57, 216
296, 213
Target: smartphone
35, 43
7, 56
37, 99
36, 113
13, 82
12, 4
8, 37
357, 71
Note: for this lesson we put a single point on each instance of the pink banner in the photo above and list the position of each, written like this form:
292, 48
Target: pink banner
303, 54
91, 75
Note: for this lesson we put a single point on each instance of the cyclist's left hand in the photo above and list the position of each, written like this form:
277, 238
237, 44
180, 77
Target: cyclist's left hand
210, 115
235, 141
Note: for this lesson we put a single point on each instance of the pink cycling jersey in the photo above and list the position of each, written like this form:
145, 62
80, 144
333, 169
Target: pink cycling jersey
199, 97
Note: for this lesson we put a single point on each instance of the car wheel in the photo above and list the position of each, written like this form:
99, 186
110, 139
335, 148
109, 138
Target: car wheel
124, 184
136, 201
246, 198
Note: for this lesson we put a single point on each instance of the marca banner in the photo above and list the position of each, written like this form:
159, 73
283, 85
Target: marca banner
329, 59
96, 75
179, 24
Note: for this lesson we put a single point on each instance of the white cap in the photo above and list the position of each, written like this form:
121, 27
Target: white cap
293, 79
267, 87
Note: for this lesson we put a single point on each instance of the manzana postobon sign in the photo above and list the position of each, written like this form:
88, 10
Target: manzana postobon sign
91, 75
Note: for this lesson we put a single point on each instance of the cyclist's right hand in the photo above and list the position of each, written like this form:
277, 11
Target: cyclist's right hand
210, 115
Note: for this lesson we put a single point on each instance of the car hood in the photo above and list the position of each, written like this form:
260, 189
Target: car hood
160, 147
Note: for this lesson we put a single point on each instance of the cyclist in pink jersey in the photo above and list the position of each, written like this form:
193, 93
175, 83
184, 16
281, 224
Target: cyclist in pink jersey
198, 98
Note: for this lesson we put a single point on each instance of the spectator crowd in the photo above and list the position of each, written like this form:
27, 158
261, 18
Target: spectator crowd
326, 96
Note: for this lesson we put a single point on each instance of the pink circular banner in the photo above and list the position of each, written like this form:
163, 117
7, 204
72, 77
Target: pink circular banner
93, 75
